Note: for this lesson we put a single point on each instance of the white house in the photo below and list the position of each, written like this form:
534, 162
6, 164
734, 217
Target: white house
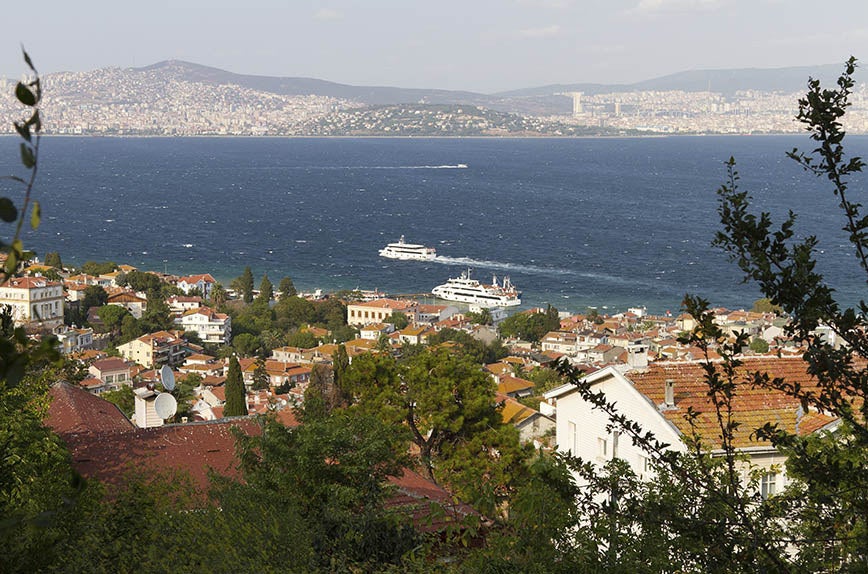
658, 398
378, 311
34, 301
203, 282
209, 325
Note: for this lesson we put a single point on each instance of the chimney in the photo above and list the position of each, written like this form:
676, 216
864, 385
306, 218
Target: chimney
669, 400
637, 356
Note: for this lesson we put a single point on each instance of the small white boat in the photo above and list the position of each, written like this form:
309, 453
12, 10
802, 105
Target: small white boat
408, 251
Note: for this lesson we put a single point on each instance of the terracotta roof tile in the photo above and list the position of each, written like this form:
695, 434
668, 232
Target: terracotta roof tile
752, 406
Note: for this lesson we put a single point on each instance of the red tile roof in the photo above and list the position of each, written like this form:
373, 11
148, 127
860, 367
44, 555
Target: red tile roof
75, 410
752, 406
104, 445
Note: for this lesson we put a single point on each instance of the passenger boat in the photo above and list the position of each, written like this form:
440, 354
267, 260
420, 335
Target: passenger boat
408, 251
464, 289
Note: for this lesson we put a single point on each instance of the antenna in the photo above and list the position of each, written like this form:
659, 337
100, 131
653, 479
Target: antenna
168, 378
165, 405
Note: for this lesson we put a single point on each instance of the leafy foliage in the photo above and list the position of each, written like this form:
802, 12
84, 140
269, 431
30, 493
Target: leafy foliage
530, 326
236, 397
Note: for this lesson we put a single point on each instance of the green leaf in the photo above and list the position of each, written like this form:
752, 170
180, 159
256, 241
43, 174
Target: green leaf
28, 60
11, 263
35, 215
24, 95
8, 211
27, 156
23, 130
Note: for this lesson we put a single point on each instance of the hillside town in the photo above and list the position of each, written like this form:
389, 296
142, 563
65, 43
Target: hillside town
98, 320
165, 101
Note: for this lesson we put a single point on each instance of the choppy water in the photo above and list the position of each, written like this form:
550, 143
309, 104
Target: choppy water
574, 222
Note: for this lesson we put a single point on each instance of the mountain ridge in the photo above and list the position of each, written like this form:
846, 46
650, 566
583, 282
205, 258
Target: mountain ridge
541, 100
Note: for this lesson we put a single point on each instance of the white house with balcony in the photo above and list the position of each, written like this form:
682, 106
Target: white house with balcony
209, 325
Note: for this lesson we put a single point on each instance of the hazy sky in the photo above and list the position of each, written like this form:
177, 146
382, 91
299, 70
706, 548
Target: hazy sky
479, 45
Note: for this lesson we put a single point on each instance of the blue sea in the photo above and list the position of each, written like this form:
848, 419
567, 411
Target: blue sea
609, 223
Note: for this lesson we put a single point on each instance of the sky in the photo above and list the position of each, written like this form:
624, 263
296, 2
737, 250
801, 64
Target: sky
477, 45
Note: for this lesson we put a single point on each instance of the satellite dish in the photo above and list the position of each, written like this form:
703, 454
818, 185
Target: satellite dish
168, 378
165, 405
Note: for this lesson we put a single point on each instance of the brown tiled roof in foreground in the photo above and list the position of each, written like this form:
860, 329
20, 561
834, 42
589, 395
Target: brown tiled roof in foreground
105, 446
752, 406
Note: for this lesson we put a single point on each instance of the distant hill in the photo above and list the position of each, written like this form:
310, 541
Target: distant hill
372, 95
726, 82
543, 100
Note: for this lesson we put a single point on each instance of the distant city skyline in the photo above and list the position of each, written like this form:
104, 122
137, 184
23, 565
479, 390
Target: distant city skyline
476, 46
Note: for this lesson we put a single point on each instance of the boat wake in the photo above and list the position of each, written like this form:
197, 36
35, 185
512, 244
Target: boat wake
379, 167
537, 270
483, 264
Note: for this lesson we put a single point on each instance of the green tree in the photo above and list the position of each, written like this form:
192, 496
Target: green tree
530, 326
52, 259
483, 317
157, 316
94, 296
478, 351
832, 469
302, 340
123, 398
759, 345
246, 344
287, 288
332, 472
142, 282
236, 396
447, 403
398, 319
130, 329
293, 312
266, 290
112, 317
52, 275
218, 296
765, 305
261, 380
99, 267
243, 285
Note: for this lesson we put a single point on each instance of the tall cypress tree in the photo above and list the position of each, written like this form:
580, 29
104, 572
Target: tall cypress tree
246, 285
266, 289
287, 288
236, 399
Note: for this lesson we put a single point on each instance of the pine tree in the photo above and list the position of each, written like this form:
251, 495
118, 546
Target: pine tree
52, 259
260, 375
266, 289
287, 288
244, 285
236, 399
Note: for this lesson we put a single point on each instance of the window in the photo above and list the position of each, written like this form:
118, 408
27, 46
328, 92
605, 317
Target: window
602, 448
768, 484
572, 438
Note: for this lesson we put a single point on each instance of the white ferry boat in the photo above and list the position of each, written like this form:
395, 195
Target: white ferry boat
401, 250
466, 290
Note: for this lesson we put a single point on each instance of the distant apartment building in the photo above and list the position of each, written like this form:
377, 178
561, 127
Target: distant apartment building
73, 340
203, 282
379, 311
36, 302
130, 301
179, 304
113, 372
210, 326
155, 350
